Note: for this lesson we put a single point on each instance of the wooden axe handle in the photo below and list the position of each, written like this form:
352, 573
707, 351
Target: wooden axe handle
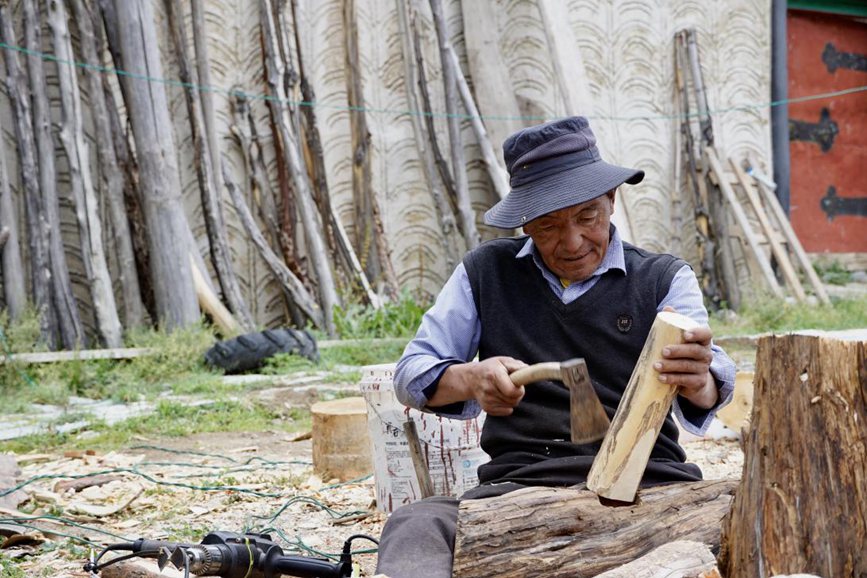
537, 372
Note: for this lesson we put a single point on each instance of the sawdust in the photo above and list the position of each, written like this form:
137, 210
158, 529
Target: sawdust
171, 488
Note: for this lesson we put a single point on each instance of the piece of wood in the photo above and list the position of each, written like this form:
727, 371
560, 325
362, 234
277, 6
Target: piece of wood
139, 569
341, 443
802, 501
465, 212
496, 171
422, 475
211, 304
743, 222
169, 236
778, 250
84, 197
14, 292
791, 237
566, 532
736, 415
620, 462
82, 354
111, 180
681, 559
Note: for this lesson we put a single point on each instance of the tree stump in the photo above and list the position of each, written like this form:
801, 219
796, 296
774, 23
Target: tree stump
565, 532
341, 443
802, 502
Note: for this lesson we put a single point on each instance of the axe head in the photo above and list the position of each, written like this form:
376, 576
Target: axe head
589, 422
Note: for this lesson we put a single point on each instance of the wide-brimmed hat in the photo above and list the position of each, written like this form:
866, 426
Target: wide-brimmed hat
553, 166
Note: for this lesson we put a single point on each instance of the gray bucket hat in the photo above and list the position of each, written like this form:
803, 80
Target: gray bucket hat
553, 166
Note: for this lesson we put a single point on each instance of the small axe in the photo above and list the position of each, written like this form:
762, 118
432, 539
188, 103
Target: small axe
588, 419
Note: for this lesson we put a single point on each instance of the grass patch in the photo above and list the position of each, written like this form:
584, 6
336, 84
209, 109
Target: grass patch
767, 314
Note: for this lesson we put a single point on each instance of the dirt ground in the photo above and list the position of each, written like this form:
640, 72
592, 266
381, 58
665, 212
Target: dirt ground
167, 488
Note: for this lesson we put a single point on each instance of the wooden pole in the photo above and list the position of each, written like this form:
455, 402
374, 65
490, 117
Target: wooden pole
40, 272
619, 465
111, 176
14, 292
65, 306
801, 506
466, 215
85, 201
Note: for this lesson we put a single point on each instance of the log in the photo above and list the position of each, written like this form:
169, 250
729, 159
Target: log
169, 236
466, 215
681, 559
111, 176
14, 293
210, 303
620, 462
341, 443
65, 306
85, 200
802, 502
567, 532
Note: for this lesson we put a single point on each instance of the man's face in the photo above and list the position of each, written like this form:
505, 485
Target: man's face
573, 241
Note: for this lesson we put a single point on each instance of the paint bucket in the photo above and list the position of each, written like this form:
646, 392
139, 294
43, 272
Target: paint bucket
450, 447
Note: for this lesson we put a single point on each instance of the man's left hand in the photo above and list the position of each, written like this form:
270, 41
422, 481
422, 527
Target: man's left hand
688, 366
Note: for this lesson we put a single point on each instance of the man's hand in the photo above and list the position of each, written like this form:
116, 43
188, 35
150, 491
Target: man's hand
486, 381
688, 366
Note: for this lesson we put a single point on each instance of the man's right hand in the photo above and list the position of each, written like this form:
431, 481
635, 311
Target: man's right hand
486, 381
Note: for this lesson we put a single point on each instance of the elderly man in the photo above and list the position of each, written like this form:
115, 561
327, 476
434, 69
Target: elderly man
571, 287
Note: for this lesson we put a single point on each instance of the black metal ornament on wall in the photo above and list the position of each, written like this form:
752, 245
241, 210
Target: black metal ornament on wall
822, 133
834, 206
835, 59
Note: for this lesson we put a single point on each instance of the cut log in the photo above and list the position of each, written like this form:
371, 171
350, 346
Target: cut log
14, 292
682, 559
620, 463
802, 502
560, 532
341, 443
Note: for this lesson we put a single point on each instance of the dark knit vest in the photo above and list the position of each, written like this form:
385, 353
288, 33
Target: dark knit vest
522, 318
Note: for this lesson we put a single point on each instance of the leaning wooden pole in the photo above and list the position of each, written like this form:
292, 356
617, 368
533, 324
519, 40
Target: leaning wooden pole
71, 329
169, 237
111, 177
37, 236
209, 188
291, 152
14, 292
85, 200
801, 506
467, 217
620, 462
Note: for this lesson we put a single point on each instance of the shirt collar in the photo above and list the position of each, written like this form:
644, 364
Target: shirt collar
614, 257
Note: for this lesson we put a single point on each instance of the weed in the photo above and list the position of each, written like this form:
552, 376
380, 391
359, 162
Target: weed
765, 314
9, 569
832, 272
399, 318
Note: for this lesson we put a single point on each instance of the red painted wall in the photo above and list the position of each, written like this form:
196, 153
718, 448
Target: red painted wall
844, 165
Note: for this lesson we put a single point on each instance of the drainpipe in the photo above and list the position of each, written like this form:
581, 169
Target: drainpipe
780, 92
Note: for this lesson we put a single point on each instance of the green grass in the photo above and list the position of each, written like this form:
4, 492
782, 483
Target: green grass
9, 568
766, 314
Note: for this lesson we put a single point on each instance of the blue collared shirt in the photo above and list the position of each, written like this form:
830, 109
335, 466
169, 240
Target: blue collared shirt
450, 332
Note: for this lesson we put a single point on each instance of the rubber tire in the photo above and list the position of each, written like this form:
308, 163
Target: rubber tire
249, 351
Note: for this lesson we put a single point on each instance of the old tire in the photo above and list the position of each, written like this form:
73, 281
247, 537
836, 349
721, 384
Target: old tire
249, 351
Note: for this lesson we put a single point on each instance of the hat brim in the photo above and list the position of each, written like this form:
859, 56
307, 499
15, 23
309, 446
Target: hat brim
554, 192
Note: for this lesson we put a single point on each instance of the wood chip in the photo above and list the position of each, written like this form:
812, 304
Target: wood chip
79, 484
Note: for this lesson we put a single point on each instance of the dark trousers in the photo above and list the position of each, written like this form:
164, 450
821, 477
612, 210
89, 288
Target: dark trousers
418, 540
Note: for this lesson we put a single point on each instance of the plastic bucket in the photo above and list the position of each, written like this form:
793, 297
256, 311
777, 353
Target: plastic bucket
450, 447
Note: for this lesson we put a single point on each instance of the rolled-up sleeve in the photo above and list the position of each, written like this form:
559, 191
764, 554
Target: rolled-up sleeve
685, 297
449, 334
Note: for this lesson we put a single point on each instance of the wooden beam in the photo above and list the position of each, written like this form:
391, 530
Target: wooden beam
620, 463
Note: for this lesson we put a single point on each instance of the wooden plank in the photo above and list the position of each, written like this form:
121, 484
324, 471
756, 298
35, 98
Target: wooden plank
422, 474
78, 355
792, 238
625, 451
743, 222
779, 251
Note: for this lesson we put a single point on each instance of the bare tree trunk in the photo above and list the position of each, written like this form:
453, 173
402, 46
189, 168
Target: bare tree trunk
71, 330
111, 177
448, 225
40, 271
170, 238
290, 282
209, 183
369, 233
467, 217
312, 227
14, 292
84, 197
